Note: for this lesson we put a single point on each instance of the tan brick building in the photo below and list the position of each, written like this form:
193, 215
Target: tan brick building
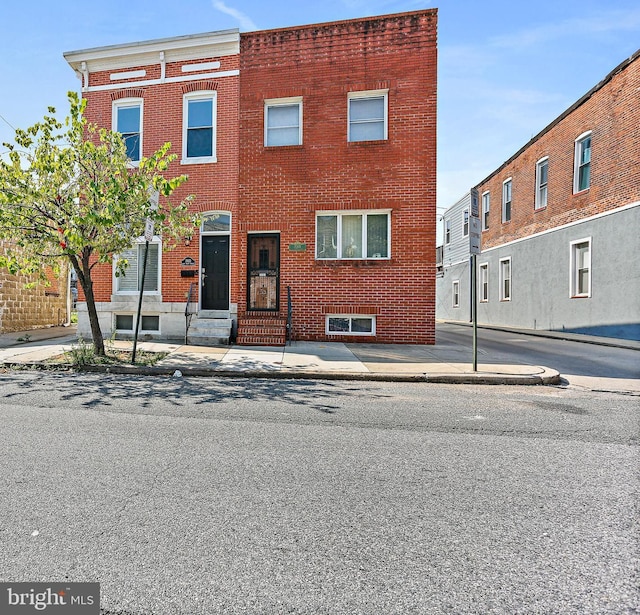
23, 308
312, 155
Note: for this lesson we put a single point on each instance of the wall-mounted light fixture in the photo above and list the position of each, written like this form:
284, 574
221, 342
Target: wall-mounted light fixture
187, 240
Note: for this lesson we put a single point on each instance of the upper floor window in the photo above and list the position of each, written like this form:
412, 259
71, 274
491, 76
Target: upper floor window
581, 268
506, 200
505, 279
465, 223
542, 178
127, 120
348, 235
447, 231
199, 127
486, 203
131, 281
582, 164
283, 122
367, 116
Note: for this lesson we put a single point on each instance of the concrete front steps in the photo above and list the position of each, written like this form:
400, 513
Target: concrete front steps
210, 328
259, 329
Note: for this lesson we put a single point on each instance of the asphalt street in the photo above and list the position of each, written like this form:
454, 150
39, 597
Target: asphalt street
199, 496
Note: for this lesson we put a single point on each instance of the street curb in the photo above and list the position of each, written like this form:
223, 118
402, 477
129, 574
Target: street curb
548, 377
554, 335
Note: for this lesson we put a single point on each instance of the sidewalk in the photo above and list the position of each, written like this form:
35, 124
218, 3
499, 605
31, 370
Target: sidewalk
442, 363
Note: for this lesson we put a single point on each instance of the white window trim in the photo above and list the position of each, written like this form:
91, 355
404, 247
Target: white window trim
350, 316
369, 94
132, 330
573, 271
537, 205
200, 95
501, 277
576, 162
355, 212
483, 267
122, 293
129, 102
485, 226
467, 222
280, 102
504, 202
455, 295
447, 231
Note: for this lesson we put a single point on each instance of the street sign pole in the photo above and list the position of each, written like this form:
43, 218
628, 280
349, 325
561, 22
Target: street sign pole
474, 249
144, 271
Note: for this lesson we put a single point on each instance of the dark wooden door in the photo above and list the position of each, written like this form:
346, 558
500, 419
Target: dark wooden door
215, 272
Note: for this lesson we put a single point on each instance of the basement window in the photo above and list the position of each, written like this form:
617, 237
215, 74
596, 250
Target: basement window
125, 323
350, 325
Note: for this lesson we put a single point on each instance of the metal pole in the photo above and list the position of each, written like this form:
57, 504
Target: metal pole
474, 310
135, 335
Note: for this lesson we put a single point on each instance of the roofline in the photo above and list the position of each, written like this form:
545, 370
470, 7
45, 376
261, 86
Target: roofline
172, 41
326, 24
618, 69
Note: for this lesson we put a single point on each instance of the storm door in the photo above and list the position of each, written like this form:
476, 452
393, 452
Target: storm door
264, 272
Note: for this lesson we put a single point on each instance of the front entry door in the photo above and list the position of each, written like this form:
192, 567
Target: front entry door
215, 272
264, 272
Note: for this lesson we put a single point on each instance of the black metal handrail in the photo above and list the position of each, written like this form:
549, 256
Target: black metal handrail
289, 316
188, 314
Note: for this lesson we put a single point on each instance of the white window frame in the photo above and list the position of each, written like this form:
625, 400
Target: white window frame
486, 206
364, 214
579, 142
455, 294
503, 295
124, 103
140, 242
540, 186
447, 231
574, 271
133, 316
465, 223
369, 94
270, 103
199, 95
483, 282
507, 182
351, 317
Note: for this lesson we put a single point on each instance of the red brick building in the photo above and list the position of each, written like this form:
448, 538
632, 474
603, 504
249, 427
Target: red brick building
312, 155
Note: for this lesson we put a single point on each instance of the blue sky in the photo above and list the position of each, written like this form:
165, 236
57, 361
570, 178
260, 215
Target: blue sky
506, 68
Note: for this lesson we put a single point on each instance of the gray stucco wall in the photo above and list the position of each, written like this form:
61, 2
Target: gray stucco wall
540, 273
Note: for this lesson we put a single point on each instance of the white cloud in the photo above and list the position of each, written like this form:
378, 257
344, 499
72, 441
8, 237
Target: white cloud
246, 23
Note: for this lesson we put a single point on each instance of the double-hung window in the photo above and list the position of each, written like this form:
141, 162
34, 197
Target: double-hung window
199, 127
506, 200
367, 116
283, 122
127, 120
542, 179
465, 223
447, 232
455, 293
486, 203
581, 268
505, 279
582, 163
131, 280
353, 235
484, 282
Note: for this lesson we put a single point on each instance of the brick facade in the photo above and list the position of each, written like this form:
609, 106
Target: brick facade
276, 191
611, 112
41, 306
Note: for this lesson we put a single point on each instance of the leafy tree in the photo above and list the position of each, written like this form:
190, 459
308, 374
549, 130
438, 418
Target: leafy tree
68, 191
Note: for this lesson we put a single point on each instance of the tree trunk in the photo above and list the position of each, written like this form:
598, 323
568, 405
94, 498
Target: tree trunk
83, 270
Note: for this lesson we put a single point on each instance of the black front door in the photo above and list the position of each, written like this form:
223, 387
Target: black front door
215, 272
